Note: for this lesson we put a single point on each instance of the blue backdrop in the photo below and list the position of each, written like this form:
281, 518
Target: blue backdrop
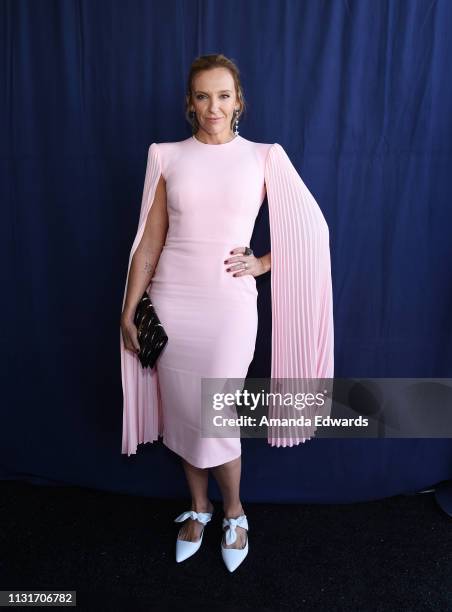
357, 92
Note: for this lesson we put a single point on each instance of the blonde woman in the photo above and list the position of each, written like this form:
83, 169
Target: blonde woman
191, 251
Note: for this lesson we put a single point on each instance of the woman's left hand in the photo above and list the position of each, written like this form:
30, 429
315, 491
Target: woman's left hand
254, 265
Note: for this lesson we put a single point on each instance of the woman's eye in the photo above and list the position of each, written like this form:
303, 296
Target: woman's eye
200, 96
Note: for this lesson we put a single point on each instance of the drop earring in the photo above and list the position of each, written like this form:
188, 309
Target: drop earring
236, 131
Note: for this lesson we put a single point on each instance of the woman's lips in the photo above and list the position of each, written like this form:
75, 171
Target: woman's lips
213, 119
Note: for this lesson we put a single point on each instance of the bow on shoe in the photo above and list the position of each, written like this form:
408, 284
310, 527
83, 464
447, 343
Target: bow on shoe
202, 517
231, 533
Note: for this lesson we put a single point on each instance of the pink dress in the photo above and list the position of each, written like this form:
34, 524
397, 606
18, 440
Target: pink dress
214, 193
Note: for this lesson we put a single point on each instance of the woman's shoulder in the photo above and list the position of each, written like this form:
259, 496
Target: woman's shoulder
171, 150
262, 149
165, 152
167, 145
170, 143
266, 148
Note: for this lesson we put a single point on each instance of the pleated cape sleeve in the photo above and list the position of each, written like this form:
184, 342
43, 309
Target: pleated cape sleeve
301, 294
142, 411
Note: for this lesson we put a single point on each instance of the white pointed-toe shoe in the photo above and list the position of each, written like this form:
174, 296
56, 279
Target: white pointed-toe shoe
185, 548
232, 557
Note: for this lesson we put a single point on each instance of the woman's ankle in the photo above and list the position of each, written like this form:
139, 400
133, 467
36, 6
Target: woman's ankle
233, 511
202, 506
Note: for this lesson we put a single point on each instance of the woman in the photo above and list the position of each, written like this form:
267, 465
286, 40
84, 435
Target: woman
200, 201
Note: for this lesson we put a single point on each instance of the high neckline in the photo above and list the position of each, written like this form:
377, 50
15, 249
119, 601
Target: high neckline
210, 144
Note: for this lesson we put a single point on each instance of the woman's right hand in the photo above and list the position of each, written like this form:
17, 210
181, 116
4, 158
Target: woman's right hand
129, 333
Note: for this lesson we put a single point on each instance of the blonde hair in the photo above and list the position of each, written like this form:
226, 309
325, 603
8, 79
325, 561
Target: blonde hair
207, 62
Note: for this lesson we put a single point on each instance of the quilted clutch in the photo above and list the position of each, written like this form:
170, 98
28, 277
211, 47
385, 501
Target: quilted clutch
151, 334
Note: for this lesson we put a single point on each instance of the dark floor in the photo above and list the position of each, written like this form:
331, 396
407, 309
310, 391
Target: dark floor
117, 552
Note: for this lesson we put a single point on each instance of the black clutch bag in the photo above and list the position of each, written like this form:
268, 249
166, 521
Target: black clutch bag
151, 335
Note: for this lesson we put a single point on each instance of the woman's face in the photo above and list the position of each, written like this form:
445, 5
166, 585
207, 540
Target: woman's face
214, 97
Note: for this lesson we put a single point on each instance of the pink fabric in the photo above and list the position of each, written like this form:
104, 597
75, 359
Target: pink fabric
302, 297
213, 195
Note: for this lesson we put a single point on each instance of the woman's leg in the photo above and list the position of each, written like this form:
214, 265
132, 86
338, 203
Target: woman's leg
197, 479
228, 478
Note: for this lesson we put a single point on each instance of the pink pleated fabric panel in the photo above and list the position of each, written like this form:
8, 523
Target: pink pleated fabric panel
142, 411
302, 297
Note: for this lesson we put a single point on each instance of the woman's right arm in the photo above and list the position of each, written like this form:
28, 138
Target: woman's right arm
144, 262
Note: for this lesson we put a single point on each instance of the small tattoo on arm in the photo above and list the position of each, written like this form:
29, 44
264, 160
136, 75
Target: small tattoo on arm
148, 267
